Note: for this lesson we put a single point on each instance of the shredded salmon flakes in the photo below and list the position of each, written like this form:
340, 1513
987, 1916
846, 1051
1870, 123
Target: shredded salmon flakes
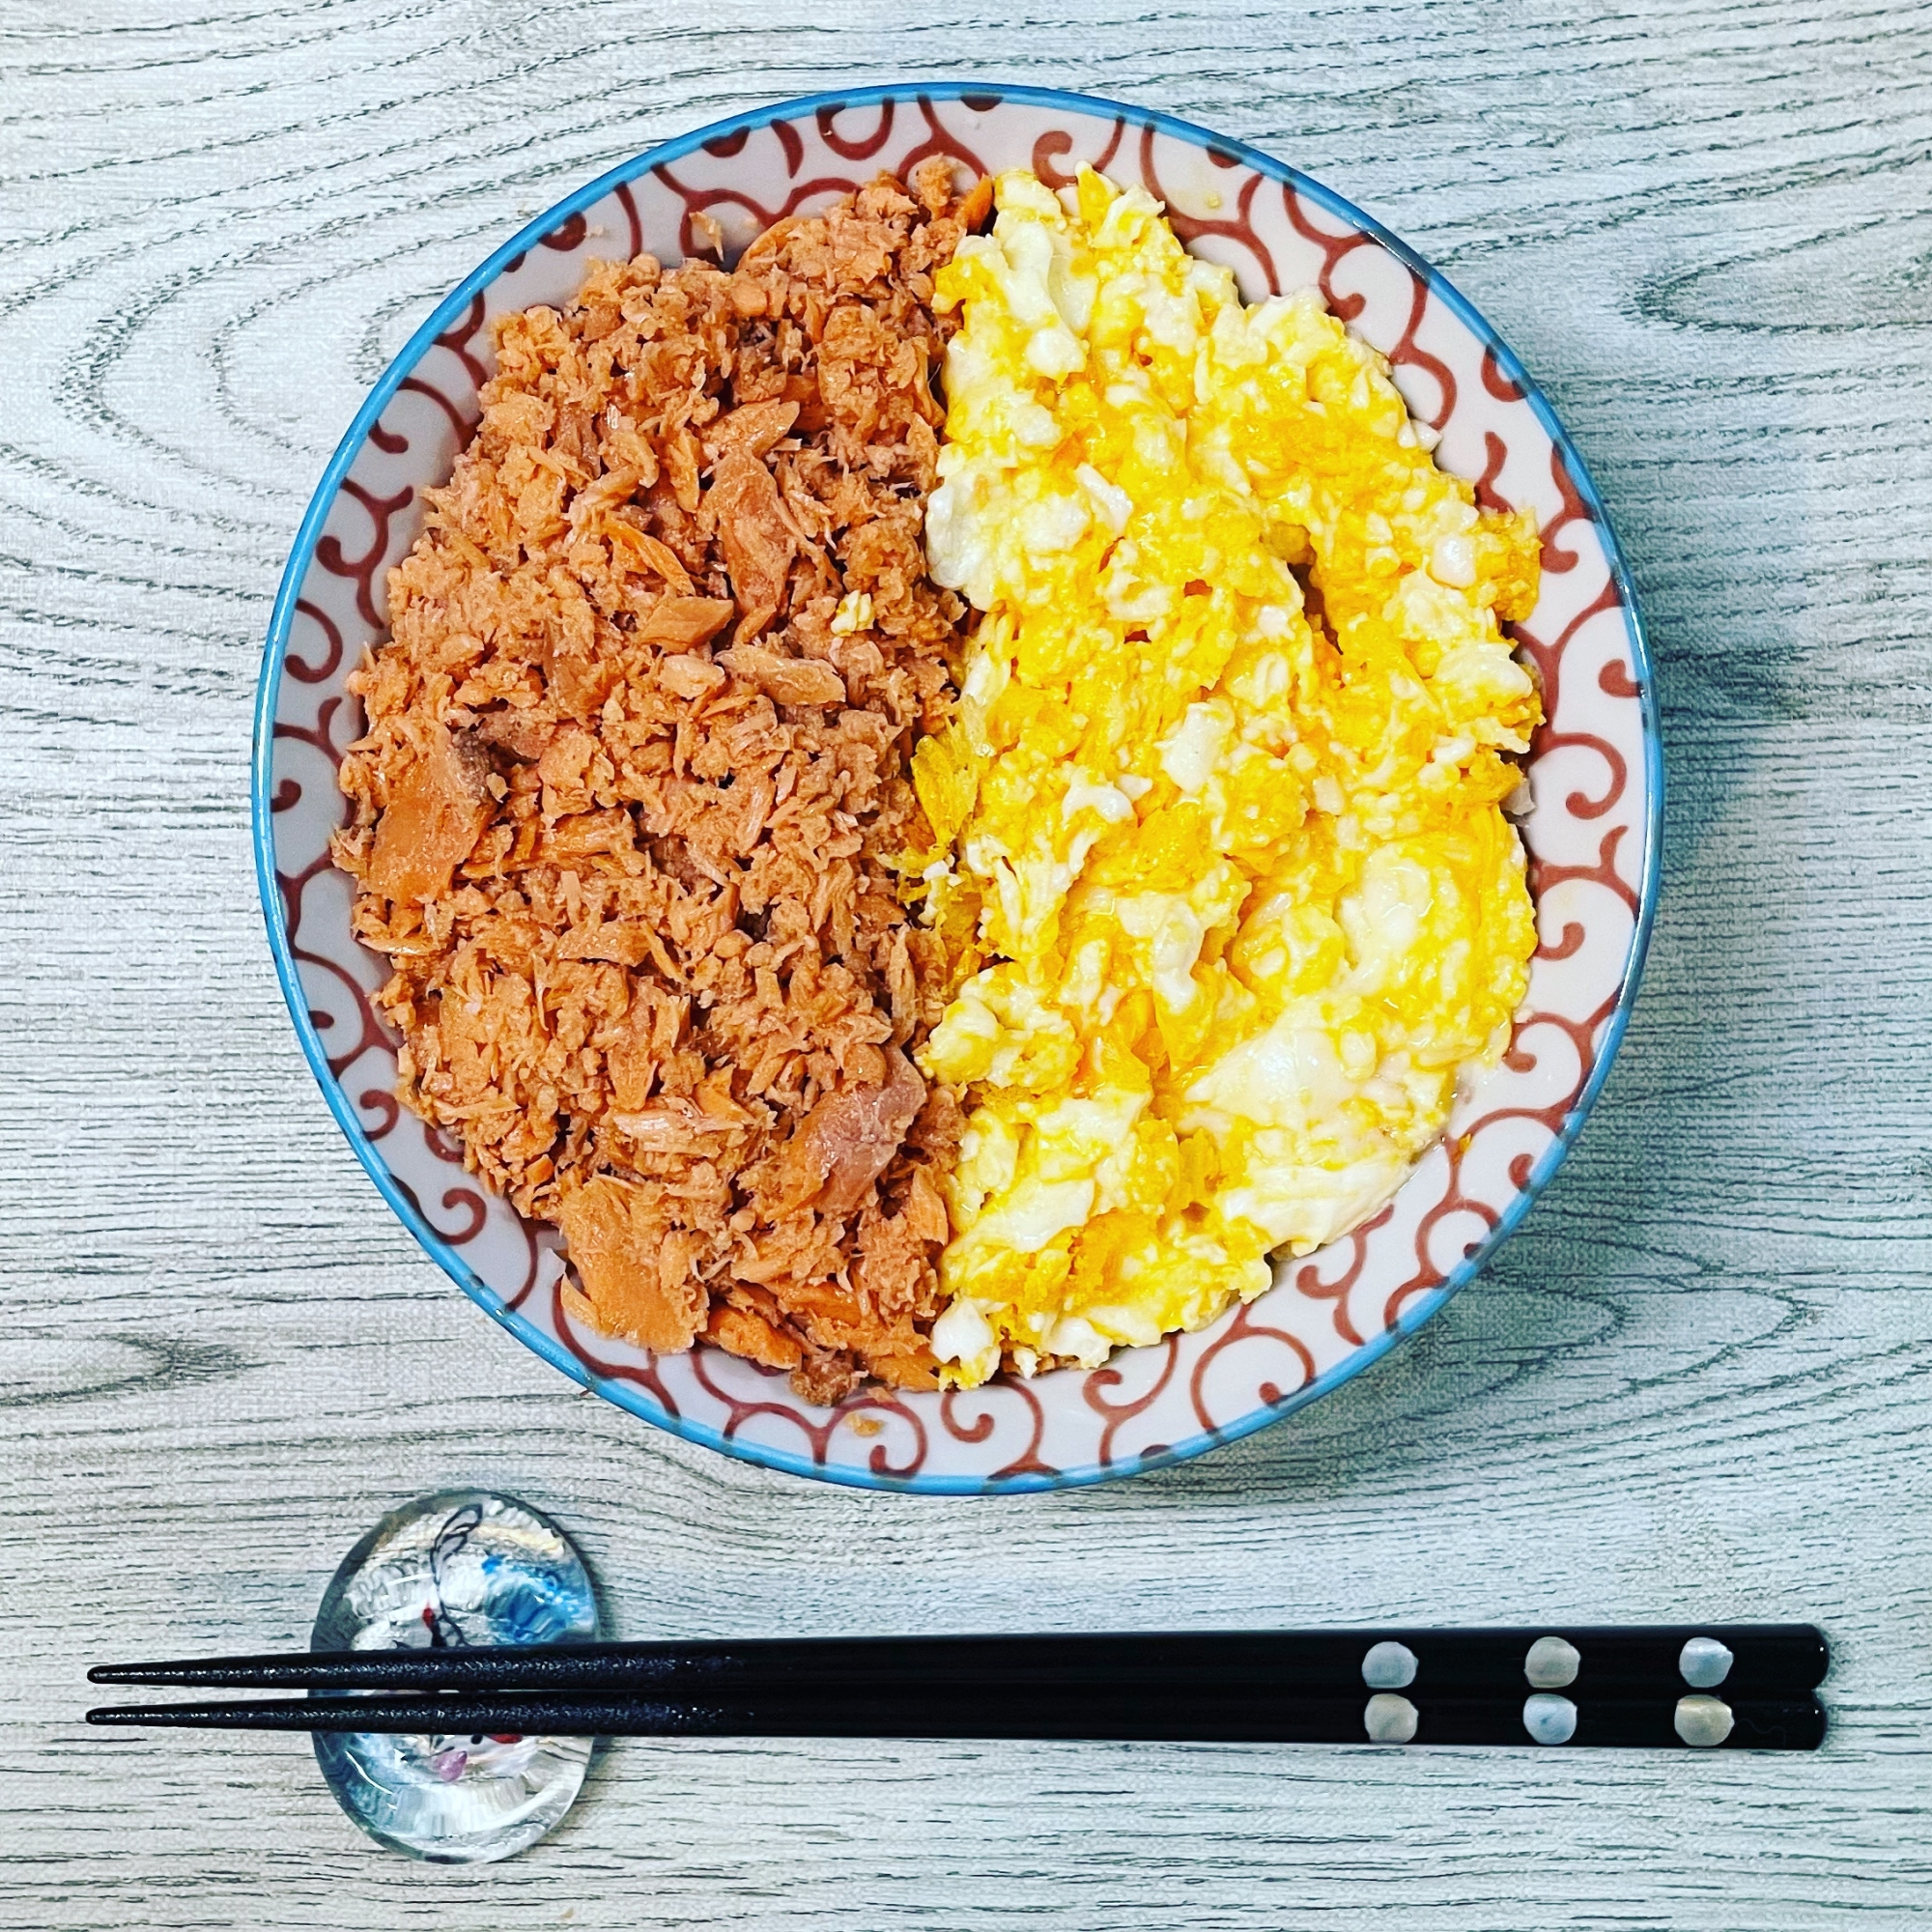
635, 776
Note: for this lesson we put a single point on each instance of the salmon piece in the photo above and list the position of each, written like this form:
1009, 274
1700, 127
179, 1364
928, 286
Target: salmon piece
687, 676
681, 454
635, 1275
812, 416
848, 1139
978, 205
623, 941
680, 622
755, 1338
437, 812
751, 427
579, 680
565, 767
925, 1213
916, 1368
519, 733
786, 680
630, 1062
652, 553
580, 833
753, 533
826, 1375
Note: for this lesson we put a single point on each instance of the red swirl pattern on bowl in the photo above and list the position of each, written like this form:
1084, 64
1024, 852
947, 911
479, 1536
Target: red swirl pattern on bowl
1591, 829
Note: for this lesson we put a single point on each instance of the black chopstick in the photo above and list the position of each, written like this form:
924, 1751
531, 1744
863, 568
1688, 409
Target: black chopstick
1751, 1660
1786, 1723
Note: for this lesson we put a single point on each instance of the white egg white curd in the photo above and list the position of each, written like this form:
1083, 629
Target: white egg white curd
1219, 848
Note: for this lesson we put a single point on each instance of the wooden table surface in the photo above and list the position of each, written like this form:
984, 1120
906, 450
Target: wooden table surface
1696, 1384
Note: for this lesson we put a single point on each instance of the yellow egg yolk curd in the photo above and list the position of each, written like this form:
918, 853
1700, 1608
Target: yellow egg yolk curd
1219, 852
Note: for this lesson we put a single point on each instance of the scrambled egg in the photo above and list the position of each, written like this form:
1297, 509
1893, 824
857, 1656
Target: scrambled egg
1220, 853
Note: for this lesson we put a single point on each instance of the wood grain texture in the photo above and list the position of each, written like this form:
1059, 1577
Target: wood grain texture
1697, 1383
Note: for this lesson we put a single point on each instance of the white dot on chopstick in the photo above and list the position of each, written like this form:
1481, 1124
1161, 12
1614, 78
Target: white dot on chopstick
1388, 1667
1703, 1722
1549, 1719
1551, 1664
1391, 1719
1705, 1662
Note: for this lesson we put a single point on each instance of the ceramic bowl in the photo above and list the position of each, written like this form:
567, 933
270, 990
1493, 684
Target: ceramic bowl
1592, 830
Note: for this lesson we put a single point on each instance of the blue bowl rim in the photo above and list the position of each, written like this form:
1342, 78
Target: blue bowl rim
451, 309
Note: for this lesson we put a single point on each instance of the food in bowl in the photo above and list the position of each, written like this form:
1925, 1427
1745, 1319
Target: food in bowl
1218, 820
636, 776
884, 994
